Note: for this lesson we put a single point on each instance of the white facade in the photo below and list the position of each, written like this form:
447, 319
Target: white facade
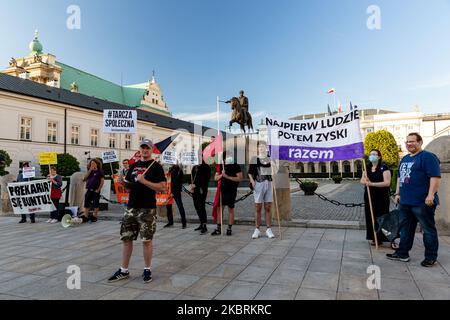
401, 124
37, 114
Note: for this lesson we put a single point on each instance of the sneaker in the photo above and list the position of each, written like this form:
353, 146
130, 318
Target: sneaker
93, 218
84, 218
198, 228
33, 221
216, 232
228, 232
147, 275
269, 233
256, 234
204, 229
168, 225
48, 221
428, 263
53, 221
119, 275
22, 221
396, 257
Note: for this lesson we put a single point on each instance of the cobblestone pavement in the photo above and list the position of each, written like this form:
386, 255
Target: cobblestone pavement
308, 263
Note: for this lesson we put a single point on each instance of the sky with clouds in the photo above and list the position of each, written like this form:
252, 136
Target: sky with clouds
285, 54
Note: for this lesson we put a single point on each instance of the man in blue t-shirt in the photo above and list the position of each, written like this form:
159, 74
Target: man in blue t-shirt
418, 181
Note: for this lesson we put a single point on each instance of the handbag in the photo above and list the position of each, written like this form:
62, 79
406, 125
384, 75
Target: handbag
389, 224
55, 193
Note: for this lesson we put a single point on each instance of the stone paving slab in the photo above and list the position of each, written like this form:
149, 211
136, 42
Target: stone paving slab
306, 264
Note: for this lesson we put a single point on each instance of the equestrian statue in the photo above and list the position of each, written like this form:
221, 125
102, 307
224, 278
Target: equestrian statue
240, 113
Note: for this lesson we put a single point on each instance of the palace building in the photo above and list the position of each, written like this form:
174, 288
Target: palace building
49, 106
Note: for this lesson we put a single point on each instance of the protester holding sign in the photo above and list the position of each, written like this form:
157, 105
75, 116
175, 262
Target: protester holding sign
20, 178
30, 197
94, 178
55, 193
379, 180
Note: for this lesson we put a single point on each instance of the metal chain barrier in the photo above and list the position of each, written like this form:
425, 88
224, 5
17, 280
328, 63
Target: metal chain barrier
245, 196
337, 203
110, 201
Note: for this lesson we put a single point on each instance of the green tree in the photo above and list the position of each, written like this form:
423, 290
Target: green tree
384, 141
107, 167
6, 163
67, 165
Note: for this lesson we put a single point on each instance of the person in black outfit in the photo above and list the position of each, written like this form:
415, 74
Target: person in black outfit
176, 178
200, 176
378, 179
231, 176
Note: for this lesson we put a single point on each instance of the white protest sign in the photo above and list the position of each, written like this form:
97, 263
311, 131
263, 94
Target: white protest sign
109, 156
119, 121
29, 172
189, 158
331, 138
169, 157
30, 197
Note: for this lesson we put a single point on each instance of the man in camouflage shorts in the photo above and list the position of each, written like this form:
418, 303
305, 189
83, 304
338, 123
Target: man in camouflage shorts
143, 178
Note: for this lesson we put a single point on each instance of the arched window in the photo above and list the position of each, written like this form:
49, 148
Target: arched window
346, 165
311, 167
334, 167
301, 167
358, 165
323, 167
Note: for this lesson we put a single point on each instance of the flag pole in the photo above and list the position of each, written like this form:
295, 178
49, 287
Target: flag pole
334, 96
275, 199
220, 160
370, 205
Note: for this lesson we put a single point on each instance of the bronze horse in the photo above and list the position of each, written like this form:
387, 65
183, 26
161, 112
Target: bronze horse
240, 115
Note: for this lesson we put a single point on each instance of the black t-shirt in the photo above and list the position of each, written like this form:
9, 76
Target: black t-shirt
176, 179
260, 171
231, 170
201, 174
140, 195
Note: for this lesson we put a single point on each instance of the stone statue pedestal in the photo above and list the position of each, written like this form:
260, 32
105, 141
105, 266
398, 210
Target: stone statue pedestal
440, 147
6, 203
282, 194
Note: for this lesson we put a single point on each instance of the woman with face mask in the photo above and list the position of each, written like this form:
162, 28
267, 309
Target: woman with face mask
378, 179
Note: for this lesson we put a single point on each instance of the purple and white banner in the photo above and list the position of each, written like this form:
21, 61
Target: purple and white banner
331, 138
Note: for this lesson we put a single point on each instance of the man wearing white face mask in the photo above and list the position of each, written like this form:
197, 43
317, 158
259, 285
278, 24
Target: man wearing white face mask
231, 176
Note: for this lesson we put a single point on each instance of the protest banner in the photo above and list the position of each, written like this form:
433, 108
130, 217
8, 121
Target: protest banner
121, 191
189, 158
109, 156
48, 158
119, 121
331, 138
169, 157
28, 172
31, 196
